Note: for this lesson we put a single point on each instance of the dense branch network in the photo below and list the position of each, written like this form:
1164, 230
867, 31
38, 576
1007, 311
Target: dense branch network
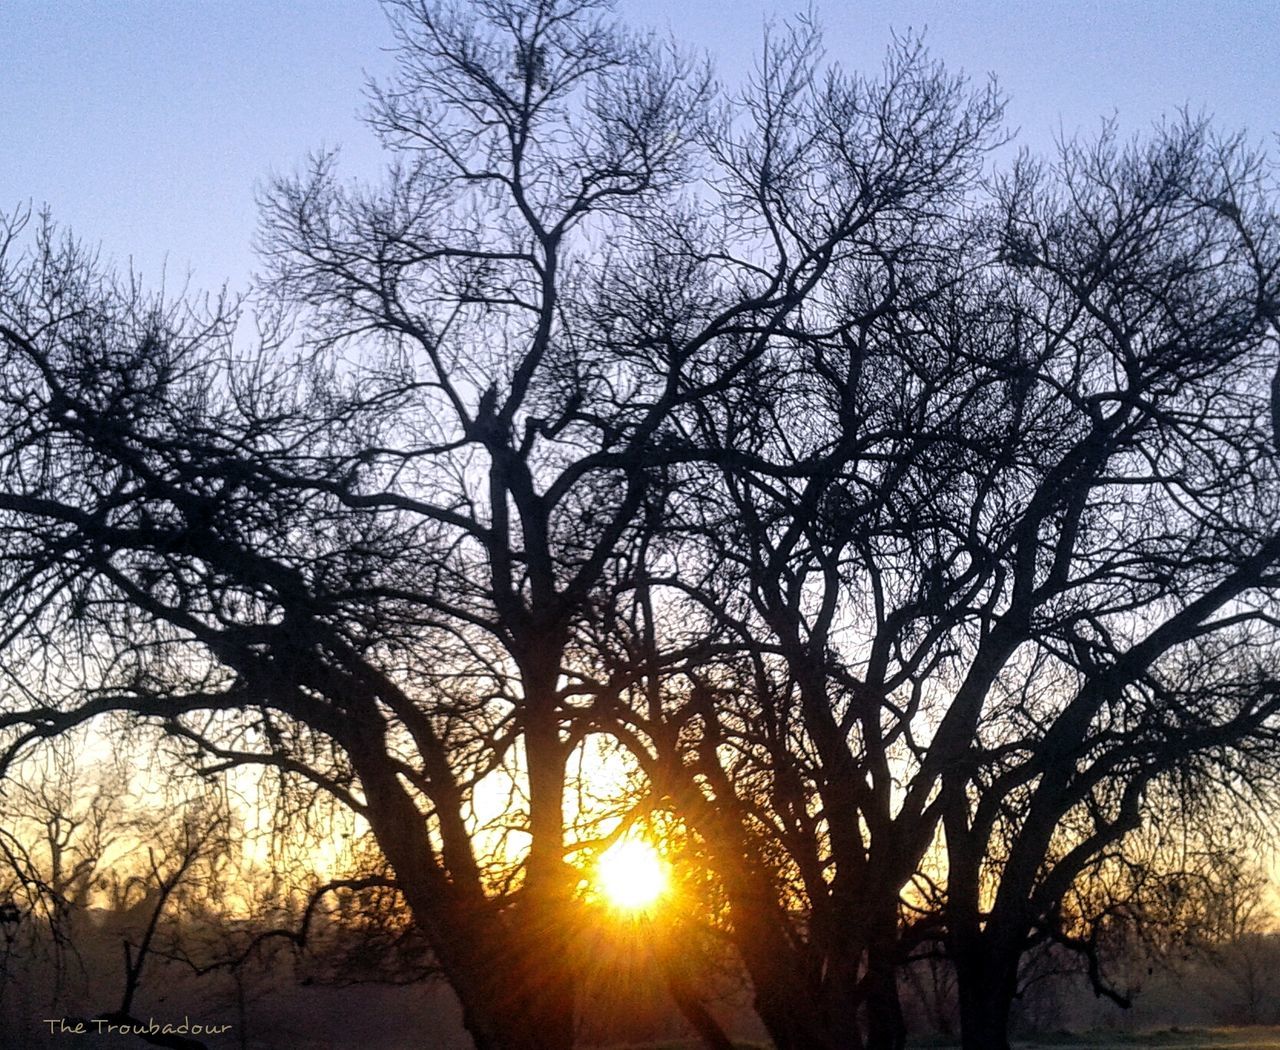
902, 530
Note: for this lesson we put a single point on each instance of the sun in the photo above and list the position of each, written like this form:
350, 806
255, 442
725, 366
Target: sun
631, 875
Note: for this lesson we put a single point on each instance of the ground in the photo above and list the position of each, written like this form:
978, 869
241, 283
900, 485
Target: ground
1176, 1038
1166, 1039
1257, 1038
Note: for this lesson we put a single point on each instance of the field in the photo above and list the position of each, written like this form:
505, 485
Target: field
1255, 1038
1252, 1038
1260, 1038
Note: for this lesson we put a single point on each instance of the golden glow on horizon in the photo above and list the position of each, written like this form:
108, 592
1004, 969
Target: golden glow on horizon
631, 875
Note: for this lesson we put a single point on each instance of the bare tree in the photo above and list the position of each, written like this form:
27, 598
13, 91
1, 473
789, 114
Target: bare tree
988, 568
1140, 613
447, 503
907, 528
98, 872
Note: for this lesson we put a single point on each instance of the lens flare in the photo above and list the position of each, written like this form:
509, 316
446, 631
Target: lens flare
631, 875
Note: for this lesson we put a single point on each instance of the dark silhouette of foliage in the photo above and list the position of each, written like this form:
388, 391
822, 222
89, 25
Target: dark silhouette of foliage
909, 531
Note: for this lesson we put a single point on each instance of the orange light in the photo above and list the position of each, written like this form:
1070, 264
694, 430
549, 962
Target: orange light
631, 875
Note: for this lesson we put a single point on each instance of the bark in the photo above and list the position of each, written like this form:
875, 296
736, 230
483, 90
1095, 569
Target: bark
886, 1027
508, 1001
696, 1013
789, 995
987, 986
546, 936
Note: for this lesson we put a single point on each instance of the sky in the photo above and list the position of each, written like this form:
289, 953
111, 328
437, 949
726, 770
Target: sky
146, 125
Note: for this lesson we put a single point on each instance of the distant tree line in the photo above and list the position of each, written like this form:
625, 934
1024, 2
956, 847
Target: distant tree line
906, 524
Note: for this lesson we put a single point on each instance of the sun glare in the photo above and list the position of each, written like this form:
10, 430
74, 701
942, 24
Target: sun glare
631, 875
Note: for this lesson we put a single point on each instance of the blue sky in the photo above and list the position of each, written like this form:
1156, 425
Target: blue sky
145, 124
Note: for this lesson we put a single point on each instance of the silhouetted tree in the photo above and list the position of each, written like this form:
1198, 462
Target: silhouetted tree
1134, 650
376, 566
991, 565
907, 528
104, 878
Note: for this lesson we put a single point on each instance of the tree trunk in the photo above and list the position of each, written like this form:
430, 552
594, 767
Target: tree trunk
695, 1012
803, 1004
986, 987
886, 1027
841, 995
505, 977
797, 1012
547, 931
791, 1018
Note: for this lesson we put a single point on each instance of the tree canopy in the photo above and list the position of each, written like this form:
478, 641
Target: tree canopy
900, 525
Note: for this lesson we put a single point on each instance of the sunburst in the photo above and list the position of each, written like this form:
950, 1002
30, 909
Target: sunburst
632, 876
